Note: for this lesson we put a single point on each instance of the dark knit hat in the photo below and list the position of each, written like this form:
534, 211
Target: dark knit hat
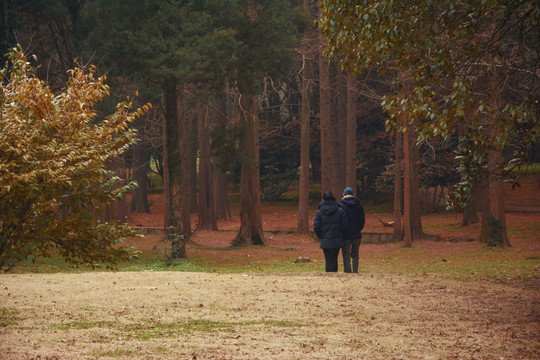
348, 191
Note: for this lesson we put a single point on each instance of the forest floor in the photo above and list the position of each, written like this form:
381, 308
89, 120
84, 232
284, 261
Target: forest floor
436, 300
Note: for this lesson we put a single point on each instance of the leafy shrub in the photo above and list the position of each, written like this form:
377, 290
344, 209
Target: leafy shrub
54, 179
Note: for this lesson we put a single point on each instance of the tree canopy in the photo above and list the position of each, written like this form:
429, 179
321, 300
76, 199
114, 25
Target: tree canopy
54, 177
470, 68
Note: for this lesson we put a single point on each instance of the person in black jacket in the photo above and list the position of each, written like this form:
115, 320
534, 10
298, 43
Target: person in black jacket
330, 225
357, 219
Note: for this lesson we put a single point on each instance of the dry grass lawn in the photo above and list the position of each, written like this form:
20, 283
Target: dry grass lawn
178, 315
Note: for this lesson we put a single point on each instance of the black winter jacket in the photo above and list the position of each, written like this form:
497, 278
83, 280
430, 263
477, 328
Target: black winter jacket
330, 224
355, 213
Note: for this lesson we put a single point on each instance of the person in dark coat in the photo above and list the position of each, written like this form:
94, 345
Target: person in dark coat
357, 219
330, 225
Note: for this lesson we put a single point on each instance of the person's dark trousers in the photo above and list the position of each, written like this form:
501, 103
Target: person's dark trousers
347, 256
355, 244
331, 259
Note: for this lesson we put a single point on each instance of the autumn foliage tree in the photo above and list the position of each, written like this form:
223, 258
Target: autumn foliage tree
54, 177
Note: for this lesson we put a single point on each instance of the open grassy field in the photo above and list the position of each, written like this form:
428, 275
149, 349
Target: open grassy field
193, 315
436, 300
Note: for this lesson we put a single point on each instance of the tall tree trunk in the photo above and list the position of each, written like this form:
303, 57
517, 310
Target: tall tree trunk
166, 176
221, 186
497, 220
303, 192
338, 124
485, 205
407, 173
139, 199
493, 221
192, 147
416, 210
407, 183
251, 231
326, 135
188, 163
173, 165
315, 157
303, 201
498, 235
470, 212
473, 206
221, 191
333, 112
411, 182
398, 193
207, 214
350, 137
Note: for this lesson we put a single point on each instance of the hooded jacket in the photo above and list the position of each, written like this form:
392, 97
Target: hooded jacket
355, 213
330, 224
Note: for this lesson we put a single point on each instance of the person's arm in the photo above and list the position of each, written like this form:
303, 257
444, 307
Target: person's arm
317, 224
344, 222
362, 218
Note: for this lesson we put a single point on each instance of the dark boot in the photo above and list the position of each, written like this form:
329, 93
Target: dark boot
346, 262
355, 265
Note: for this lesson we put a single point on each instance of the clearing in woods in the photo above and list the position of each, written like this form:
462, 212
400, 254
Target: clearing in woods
438, 300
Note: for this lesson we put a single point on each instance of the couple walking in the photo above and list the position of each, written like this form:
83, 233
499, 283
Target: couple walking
339, 226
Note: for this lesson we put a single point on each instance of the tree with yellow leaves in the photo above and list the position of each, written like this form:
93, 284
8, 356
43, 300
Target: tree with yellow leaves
54, 179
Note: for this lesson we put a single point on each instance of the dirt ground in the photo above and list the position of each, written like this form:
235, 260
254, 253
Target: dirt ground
372, 315
280, 223
522, 204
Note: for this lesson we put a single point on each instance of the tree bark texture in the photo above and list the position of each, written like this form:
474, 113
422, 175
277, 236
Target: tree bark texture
338, 125
303, 201
333, 111
303, 191
221, 192
470, 212
188, 163
173, 117
251, 231
497, 221
407, 173
398, 189
411, 182
416, 209
474, 204
407, 183
166, 176
221, 186
485, 205
498, 235
326, 135
493, 220
207, 214
350, 161
193, 147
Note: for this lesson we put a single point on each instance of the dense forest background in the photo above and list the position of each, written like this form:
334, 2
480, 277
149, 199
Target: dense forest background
245, 99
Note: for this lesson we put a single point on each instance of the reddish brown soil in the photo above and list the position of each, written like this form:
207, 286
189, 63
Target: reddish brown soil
523, 218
